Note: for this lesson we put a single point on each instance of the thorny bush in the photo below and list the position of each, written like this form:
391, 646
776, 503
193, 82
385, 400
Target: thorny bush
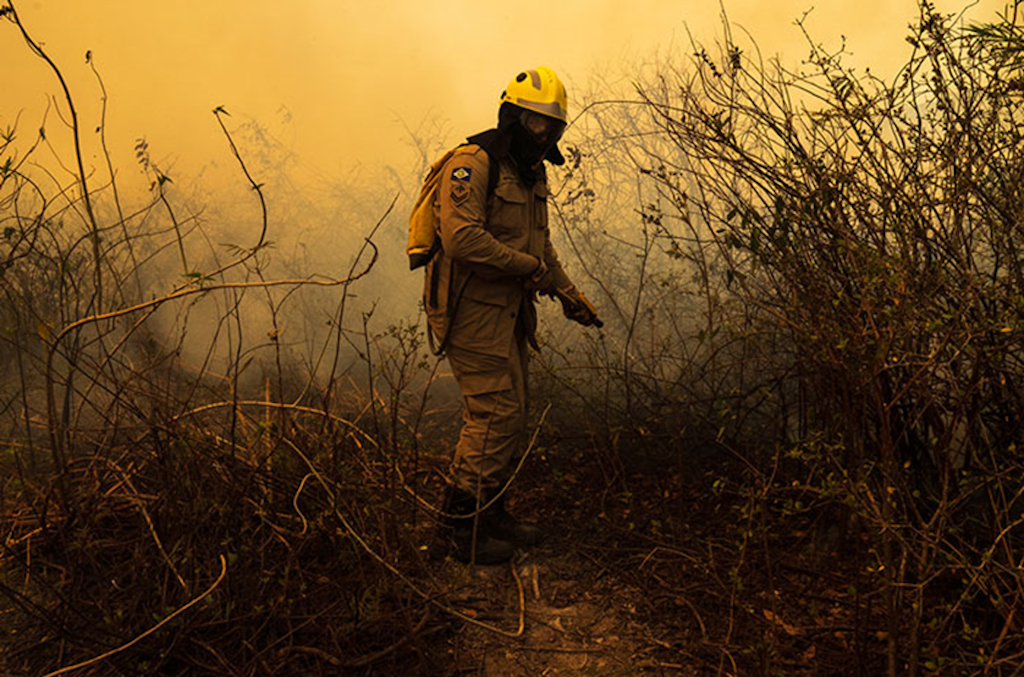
860, 238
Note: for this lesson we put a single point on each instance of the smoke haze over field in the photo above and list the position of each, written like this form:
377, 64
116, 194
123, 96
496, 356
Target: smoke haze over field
348, 77
346, 87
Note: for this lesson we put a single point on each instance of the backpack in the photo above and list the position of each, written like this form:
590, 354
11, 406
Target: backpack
423, 226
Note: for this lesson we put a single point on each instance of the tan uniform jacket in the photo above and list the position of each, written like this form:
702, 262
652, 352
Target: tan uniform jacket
475, 286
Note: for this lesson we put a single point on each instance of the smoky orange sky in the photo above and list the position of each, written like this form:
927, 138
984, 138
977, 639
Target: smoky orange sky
343, 80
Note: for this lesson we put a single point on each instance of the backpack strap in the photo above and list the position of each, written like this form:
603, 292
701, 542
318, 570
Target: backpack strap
492, 175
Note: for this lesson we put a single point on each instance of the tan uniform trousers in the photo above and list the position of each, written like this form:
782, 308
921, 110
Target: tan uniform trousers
494, 393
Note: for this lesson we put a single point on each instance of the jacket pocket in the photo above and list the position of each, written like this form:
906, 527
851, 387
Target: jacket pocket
509, 216
510, 191
493, 292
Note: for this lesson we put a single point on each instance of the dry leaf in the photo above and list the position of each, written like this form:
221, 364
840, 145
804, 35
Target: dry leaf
786, 627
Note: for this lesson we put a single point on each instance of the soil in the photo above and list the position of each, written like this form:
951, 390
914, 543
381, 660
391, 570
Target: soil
570, 628
652, 575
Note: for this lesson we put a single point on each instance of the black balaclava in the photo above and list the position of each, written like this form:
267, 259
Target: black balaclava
511, 138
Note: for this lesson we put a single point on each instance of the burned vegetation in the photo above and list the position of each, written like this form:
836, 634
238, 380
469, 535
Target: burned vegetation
792, 450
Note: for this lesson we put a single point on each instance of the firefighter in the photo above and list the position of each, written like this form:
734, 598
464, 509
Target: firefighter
495, 257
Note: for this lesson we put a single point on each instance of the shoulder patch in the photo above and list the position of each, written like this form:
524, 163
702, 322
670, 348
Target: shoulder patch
462, 174
459, 193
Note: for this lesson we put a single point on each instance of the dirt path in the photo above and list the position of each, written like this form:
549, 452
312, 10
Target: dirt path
576, 623
653, 577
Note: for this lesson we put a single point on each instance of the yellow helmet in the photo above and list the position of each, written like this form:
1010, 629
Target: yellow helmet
539, 90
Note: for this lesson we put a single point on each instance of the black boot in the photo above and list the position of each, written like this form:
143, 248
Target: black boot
508, 528
472, 537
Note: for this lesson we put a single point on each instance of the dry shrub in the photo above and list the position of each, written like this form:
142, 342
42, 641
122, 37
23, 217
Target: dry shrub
854, 242
188, 486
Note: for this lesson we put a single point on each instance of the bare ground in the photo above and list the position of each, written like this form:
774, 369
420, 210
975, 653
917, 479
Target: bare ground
652, 576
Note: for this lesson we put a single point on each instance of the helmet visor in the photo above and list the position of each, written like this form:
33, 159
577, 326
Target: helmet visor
545, 130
